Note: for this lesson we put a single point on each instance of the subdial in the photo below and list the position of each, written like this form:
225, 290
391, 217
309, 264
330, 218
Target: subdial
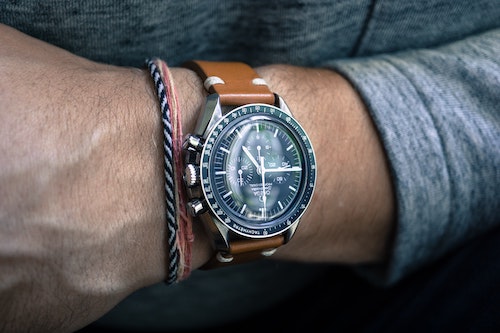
279, 169
280, 178
240, 170
259, 143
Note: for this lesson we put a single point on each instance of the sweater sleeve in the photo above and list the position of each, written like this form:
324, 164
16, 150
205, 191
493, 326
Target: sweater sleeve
438, 115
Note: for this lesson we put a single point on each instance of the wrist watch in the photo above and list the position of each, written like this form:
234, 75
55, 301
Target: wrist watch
250, 168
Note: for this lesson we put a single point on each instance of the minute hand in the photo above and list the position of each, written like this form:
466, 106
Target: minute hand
284, 169
254, 161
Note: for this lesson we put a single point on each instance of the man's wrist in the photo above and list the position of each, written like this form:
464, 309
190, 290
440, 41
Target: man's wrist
352, 214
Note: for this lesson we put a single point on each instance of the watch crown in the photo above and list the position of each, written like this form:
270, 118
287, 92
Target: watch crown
193, 142
191, 175
195, 207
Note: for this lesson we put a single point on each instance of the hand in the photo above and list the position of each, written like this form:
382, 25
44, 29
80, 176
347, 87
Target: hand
286, 169
240, 177
263, 178
252, 159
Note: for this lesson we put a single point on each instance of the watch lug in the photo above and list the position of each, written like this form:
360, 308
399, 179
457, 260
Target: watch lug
218, 231
282, 105
211, 114
291, 231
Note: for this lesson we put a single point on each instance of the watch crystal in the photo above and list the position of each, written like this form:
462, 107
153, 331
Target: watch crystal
258, 170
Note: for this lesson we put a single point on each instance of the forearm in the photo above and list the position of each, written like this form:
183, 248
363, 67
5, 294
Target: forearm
81, 185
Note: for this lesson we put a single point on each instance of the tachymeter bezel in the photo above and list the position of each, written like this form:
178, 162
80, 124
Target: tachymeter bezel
285, 221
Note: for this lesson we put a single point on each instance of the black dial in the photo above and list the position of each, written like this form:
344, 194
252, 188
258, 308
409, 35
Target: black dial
258, 170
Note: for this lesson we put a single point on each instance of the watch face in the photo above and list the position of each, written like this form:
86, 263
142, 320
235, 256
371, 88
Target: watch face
258, 170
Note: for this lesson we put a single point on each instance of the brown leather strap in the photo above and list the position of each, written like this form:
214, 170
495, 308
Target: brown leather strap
251, 245
245, 250
236, 83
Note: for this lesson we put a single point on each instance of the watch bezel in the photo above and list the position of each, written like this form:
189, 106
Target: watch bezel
284, 221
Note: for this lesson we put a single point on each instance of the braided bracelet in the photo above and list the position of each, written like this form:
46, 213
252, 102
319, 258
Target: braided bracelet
180, 236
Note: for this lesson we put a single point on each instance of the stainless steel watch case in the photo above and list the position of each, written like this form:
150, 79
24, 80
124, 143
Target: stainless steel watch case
197, 206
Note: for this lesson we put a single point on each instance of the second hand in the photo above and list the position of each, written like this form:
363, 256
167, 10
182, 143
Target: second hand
264, 197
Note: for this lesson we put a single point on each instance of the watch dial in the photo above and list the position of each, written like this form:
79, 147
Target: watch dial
258, 170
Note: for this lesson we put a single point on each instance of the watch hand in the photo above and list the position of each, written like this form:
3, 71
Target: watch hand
288, 169
263, 177
254, 161
240, 172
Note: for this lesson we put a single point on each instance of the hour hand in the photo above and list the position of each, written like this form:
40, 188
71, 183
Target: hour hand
288, 169
254, 161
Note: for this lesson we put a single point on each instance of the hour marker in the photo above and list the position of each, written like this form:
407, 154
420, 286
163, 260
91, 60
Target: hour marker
243, 208
238, 132
280, 204
289, 147
223, 172
227, 194
292, 188
275, 132
257, 128
224, 150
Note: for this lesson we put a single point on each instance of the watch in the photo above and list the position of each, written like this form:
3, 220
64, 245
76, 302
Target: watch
250, 168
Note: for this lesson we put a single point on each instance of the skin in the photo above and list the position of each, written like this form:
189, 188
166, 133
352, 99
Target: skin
82, 221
